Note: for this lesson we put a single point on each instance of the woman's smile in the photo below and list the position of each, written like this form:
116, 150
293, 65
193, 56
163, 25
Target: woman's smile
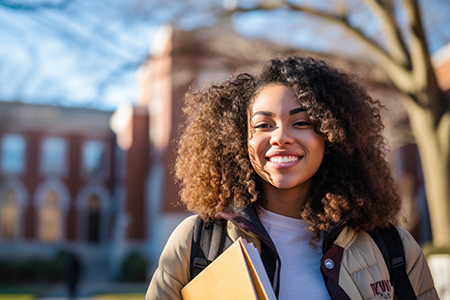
282, 162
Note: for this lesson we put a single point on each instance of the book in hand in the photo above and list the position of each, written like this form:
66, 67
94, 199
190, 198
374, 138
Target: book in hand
238, 273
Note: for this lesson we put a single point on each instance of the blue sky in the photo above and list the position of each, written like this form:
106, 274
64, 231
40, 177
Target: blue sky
87, 53
62, 56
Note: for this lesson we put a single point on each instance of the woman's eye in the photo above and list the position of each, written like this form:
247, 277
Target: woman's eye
302, 124
263, 125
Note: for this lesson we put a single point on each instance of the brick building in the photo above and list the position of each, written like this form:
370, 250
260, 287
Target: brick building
56, 181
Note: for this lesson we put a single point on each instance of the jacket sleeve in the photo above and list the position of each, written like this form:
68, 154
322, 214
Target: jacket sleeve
417, 268
173, 273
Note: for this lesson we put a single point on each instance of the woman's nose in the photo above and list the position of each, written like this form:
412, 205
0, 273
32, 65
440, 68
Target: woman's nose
281, 136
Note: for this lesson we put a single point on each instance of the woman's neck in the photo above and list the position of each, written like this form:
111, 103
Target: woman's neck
286, 202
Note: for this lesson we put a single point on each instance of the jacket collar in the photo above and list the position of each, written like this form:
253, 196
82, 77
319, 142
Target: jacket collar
332, 233
248, 220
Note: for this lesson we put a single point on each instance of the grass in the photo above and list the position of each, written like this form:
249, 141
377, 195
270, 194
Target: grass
124, 296
16, 297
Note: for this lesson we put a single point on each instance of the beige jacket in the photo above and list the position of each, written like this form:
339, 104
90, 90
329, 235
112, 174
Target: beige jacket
359, 270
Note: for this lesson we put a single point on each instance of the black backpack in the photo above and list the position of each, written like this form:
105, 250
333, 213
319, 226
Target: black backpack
209, 238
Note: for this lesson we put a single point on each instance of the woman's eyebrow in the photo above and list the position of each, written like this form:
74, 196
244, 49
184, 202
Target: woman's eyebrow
296, 110
264, 113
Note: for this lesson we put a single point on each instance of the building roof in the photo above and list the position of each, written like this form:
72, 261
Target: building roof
55, 119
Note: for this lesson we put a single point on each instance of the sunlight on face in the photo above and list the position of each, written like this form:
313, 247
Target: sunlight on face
283, 146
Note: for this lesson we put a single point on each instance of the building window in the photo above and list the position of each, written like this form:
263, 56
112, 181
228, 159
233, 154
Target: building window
9, 215
13, 154
54, 156
94, 158
50, 229
93, 222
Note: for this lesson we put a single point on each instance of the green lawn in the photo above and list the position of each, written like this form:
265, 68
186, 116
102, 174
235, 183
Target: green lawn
16, 297
125, 296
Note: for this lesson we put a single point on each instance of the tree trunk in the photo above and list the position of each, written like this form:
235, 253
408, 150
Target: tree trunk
433, 142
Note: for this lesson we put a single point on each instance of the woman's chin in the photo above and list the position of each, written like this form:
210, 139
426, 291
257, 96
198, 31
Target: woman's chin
285, 184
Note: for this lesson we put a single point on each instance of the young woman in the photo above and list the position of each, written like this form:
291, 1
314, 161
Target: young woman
290, 157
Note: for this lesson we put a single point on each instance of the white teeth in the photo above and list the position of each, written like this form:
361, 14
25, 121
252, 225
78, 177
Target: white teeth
283, 159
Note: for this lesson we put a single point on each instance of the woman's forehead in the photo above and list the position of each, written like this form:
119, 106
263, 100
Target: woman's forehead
276, 96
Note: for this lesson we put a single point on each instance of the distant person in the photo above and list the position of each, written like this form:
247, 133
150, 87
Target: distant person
72, 274
293, 159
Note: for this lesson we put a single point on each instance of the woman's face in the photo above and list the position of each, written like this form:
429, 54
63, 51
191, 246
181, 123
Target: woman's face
283, 147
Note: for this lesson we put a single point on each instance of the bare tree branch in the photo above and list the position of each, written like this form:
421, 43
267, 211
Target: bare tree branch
15, 29
83, 37
116, 73
422, 70
418, 46
397, 72
384, 10
32, 6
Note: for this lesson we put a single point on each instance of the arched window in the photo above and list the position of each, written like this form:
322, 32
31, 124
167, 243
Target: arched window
93, 213
9, 215
93, 221
50, 229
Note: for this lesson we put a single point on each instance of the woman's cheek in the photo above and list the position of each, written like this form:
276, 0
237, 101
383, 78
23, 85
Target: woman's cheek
253, 154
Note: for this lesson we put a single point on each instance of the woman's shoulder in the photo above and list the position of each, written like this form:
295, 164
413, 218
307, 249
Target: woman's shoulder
359, 242
185, 227
180, 239
407, 238
417, 267
413, 251
173, 268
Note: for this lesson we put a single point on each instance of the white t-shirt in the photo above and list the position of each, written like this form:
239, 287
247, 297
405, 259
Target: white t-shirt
300, 276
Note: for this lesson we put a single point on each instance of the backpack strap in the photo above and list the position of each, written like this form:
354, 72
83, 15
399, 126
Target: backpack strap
391, 247
208, 240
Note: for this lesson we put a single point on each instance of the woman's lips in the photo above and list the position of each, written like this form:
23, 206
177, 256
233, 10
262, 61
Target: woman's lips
283, 161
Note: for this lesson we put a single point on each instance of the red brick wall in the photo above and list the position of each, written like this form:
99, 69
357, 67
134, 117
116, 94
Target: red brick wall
138, 164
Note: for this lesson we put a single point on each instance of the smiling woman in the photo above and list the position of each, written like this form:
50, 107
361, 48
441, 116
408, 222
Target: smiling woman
284, 149
293, 159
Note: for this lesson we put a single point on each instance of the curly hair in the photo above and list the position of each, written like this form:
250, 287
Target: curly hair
354, 180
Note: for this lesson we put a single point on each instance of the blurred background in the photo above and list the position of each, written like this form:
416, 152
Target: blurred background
90, 99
